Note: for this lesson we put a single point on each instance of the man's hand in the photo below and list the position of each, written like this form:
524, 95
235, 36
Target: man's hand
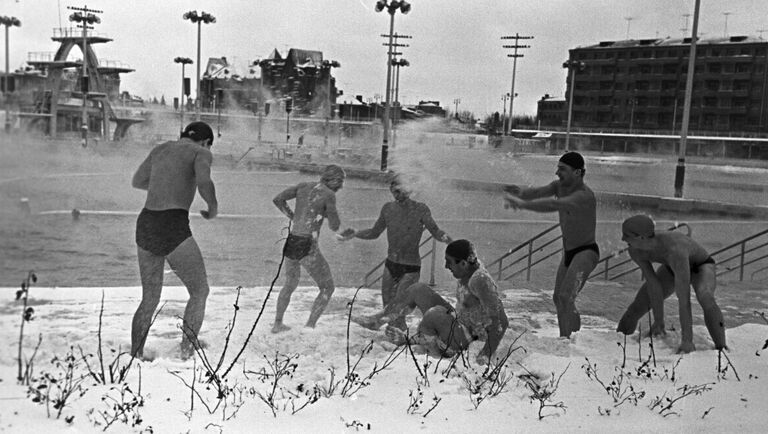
514, 190
346, 234
658, 329
446, 239
211, 213
512, 201
686, 347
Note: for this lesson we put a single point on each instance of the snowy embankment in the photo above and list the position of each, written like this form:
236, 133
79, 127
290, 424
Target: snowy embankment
656, 390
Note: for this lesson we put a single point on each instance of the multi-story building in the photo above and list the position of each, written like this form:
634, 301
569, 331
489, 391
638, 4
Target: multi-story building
637, 85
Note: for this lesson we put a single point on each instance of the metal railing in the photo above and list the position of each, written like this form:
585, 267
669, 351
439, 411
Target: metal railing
527, 255
368, 283
748, 251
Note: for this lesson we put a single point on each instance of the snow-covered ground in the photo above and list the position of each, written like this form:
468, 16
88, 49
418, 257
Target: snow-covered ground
67, 319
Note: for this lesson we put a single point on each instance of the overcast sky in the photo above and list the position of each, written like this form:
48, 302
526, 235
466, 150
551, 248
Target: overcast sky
456, 51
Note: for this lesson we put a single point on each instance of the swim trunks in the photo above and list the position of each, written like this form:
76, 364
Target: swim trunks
297, 246
397, 271
568, 255
160, 232
695, 267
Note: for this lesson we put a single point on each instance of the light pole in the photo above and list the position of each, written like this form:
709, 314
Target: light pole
514, 57
572, 66
504, 99
184, 87
456, 102
85, 17
203, 17
391, 6
397, 64
7, 22
327, 65
680, 169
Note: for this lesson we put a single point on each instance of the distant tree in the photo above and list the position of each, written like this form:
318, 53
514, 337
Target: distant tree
162, 100
154, 100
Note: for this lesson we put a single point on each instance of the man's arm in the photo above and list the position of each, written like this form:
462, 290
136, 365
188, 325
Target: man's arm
655, 293
431, 225
550, 204
331, 213
141, 177
529, 193
375, 231
682, 272
282, 198
484, 290
203, 160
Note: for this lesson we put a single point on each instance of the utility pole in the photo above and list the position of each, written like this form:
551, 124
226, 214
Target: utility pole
680, 169
514, 57
456, 102
84, 16
390, 96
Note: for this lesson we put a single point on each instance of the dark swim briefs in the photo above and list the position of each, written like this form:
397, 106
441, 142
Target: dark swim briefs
297, 246
397, 271
568, 255
695, 267
160, 232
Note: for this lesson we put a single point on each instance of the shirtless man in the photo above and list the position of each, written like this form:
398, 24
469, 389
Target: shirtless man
404, 220
478, 315
315, 201
171, 174
576, 207
683, 263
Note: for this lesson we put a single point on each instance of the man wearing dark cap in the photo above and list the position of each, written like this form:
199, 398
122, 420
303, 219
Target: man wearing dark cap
315, 201
577, 210
404, 219
444, 330
171, 174
684, 263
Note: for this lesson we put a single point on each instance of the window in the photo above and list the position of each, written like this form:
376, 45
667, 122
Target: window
741, 67
712, 85
710, 101
715, 68
670, 68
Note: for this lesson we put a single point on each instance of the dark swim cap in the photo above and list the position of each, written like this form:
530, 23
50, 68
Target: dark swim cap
639, 225
198, 131
573, 159
461, 250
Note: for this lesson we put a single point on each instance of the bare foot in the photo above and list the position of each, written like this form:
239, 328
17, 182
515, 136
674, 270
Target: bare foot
369, 322
279, 327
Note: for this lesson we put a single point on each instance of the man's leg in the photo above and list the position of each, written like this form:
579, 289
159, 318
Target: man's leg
388, 287
417, 295
438, 322
573, 280
704, 283
151, 271
318, 268
642, 302
187, 262
402, 285
292, 275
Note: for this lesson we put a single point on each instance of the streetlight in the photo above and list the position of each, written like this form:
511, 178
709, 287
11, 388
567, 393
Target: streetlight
85, 17
327, 65
397, 64
572, 66
680, 169
203, 17
184, 86
391, 6
7, 22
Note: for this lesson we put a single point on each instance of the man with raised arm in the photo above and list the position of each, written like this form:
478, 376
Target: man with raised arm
171, 174
444, 329
576, 207
684, 263
404, 219
314, 202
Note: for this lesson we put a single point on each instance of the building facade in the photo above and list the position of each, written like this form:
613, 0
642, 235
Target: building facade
639, 85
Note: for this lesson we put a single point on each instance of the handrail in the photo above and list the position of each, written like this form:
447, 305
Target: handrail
369, 283
528, 243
